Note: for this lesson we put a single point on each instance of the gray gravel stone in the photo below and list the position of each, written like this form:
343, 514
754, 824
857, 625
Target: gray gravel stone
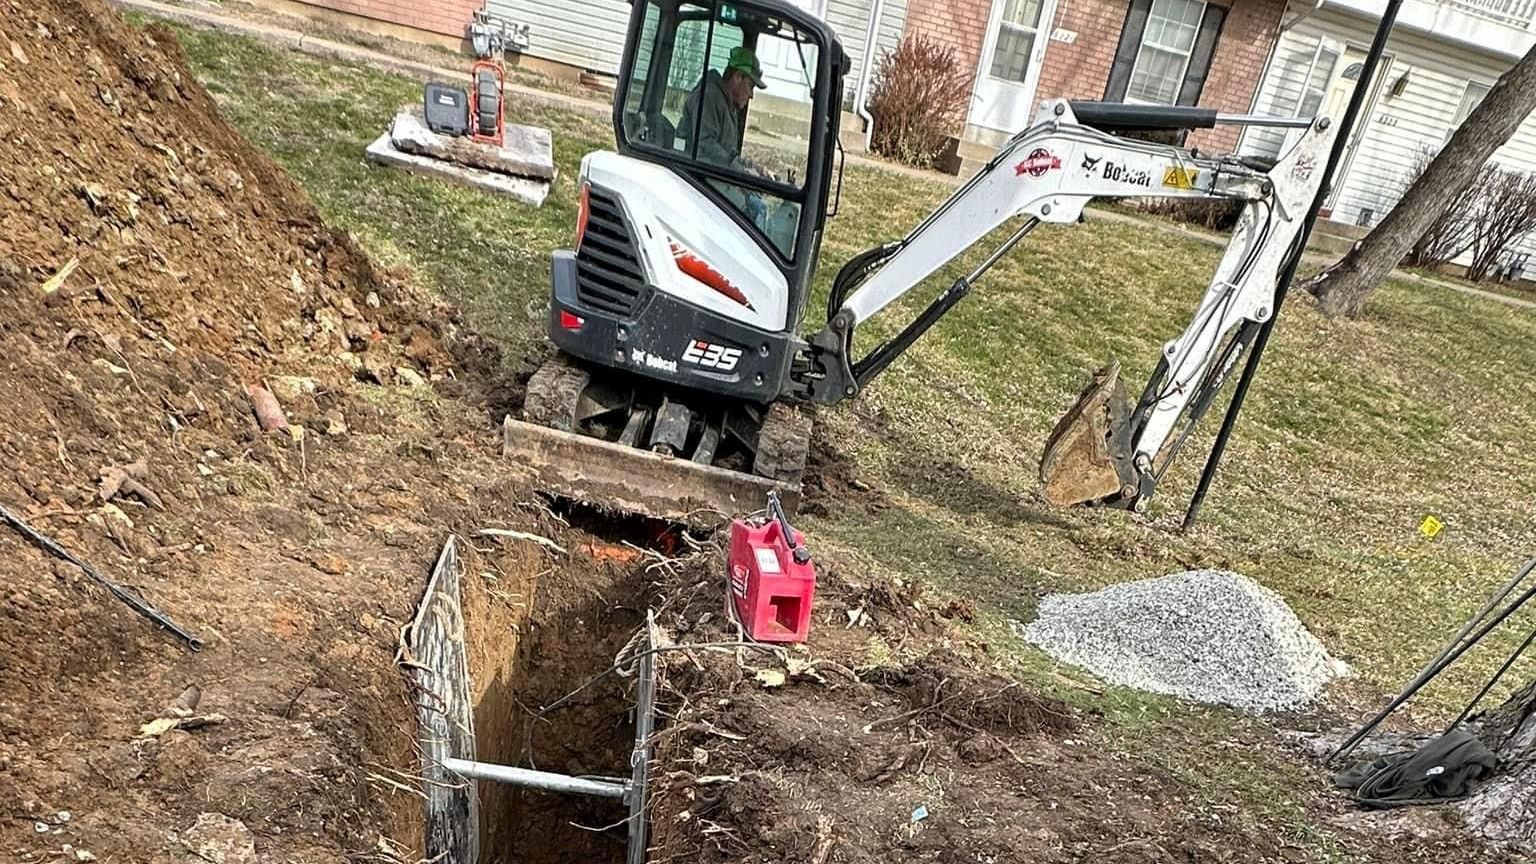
1204, 635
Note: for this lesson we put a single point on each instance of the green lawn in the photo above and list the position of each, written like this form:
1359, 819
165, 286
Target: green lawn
1519, 289
1354, 432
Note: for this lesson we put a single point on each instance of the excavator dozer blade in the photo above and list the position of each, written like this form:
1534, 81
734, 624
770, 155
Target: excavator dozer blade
1087, 458
613, 476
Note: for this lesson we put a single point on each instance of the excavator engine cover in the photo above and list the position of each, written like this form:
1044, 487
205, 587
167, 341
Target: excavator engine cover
1087, 458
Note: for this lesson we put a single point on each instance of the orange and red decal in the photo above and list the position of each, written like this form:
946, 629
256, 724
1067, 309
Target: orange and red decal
697, 268
1037, 163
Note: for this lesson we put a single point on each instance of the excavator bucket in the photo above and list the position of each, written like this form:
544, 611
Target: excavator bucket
672, 482
1087, 457
613, 476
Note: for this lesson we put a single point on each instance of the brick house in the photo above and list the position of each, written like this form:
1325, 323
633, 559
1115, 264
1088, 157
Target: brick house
441, 22
1188, 52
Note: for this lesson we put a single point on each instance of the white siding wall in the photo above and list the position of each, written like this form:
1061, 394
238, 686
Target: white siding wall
584, 33
1398, 127
850, 20
590, 33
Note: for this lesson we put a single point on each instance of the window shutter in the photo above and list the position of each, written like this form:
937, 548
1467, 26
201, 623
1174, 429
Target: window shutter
1200, 55
1125, 52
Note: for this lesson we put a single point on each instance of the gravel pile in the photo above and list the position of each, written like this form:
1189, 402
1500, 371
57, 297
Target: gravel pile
1205, 635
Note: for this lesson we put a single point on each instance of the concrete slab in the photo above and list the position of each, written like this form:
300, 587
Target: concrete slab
529, 191
526, 151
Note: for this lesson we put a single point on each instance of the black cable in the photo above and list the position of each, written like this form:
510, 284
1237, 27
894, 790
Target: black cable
1218, 311
1202, 402
1492, 682
1453, 651
1263, 231
133, 601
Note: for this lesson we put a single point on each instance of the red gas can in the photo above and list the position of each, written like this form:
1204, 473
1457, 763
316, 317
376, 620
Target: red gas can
772, 578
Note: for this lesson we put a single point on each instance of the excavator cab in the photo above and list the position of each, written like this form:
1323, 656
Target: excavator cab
742, 99
676, 310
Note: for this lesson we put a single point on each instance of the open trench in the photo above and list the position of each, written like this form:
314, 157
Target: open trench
537, 627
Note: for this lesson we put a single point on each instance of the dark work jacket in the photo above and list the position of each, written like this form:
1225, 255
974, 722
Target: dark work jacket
719, 140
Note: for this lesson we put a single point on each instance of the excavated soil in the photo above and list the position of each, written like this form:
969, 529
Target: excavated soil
153, 266
863, 758
838, 751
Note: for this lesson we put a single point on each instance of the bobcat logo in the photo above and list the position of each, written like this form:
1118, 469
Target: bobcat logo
1091, 162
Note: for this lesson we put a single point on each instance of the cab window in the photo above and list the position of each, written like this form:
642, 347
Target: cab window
717, 86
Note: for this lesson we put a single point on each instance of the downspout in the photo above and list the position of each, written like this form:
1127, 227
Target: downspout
861, 94
1300, 16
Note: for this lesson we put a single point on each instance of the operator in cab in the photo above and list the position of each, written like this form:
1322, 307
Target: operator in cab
719, 106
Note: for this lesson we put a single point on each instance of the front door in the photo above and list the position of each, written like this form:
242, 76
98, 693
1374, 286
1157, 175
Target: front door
784, 73
1010, 64
1346, 73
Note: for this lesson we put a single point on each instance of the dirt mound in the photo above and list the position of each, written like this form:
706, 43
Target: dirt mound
153, 266
832, 483
149, 249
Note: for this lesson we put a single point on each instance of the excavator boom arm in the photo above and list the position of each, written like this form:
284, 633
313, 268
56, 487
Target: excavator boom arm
1048, 173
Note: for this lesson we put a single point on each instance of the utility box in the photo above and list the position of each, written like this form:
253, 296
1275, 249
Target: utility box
773, 581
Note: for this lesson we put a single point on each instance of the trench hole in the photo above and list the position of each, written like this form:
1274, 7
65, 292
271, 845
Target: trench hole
618, 527
611, 531
578, 618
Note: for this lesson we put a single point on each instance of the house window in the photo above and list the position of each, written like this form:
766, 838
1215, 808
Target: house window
1016, 32
1469, 101
1166, 46
1165, 51
1319, 75
1296, 84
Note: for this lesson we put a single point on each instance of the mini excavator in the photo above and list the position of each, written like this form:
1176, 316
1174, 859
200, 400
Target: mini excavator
685, 373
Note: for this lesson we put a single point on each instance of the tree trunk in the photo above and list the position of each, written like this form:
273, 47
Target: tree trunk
1503, 809
1343, 288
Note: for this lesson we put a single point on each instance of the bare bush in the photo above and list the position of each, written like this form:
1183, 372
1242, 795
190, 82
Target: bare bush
1215, 214
1503, 213
1451, 235
918, 101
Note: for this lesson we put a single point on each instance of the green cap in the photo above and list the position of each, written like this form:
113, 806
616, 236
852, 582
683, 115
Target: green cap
744, 61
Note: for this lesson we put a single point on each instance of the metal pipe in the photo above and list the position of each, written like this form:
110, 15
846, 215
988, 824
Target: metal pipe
1029, 225
548, 781
1437, 664
1288, 274
640, 757
861, 95
881, 355
1493, 682
1262, 120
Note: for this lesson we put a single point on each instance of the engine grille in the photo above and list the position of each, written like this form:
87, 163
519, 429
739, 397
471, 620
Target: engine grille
608, 271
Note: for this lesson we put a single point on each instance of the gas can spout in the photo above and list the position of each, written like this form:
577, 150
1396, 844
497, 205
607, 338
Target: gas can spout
801, 554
